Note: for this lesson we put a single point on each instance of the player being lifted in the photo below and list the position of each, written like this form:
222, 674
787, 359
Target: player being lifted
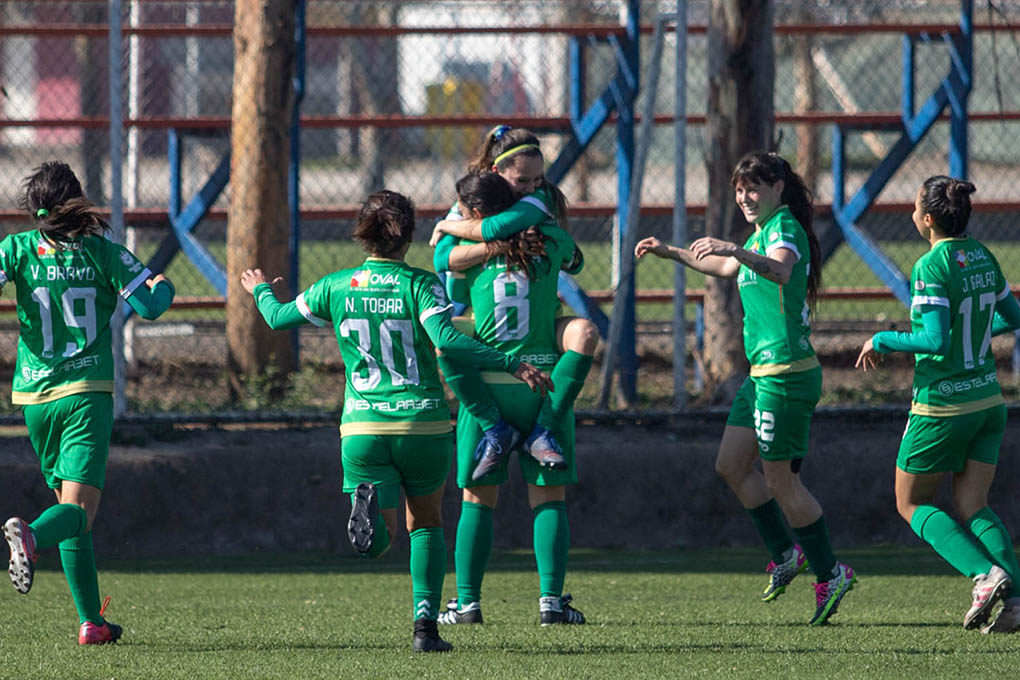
395, 430
513, 295
515, 154
70, 280
960, 300
778, 276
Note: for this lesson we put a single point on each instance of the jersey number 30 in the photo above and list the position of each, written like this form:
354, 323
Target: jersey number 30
387, 328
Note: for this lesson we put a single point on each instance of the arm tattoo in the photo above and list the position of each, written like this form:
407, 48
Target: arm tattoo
762, 266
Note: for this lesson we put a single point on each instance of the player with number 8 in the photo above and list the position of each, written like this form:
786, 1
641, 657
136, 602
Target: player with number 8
960, 300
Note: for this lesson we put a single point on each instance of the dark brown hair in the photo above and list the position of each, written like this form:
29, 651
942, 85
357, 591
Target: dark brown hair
503, 138
760, 167
947, 200
490, 194
52, 195
385, 223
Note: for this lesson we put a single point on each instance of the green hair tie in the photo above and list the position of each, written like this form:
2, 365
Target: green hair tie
42, 212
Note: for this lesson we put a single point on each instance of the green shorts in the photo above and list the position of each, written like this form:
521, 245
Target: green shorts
519, 406
419, 463
932, 444
71, 437
779, 409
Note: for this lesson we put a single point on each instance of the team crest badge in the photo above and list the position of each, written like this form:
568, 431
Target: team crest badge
961, 258
45, 248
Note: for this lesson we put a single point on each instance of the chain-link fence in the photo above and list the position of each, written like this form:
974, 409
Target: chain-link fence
399, 94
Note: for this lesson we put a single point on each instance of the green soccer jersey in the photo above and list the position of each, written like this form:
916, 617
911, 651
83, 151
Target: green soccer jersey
66, 295
377, 311
515, 312
962, 275
777, 327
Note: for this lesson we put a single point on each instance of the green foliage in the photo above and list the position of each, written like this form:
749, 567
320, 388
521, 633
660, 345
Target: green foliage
668, 614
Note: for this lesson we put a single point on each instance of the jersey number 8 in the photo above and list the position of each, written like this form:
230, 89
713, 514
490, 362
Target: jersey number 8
510, 292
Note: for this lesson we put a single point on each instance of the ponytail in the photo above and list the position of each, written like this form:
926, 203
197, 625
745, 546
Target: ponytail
947, 200
385, 223
52, 195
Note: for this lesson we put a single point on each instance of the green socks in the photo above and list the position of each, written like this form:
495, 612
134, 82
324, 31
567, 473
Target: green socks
768, 520
568, 376
79, 562
950, 541
993, 535
471, 556
465, 380
814, 540
428, 568
552, 545
58, 522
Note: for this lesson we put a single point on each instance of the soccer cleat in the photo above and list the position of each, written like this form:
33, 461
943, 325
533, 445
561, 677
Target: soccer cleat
988, 588
496, 443
93, 634
783, 573
828, 594
364, 511
426, 637
21, 543
558, 610
99, 634
1008, 621
471, 613
542, 446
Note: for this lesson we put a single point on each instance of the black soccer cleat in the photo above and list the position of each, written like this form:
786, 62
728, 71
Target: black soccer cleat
558, 610
426, 637
364, 512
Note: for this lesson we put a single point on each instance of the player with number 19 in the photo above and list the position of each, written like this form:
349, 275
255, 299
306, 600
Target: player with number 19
960, 300
395, 430
70, 280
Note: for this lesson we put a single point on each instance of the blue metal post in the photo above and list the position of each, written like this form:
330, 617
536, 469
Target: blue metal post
961, 51
627, 366
294, 175
907, 79
174, 156
577, 84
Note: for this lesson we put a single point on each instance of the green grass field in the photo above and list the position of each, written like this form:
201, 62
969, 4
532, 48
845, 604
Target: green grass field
671, 614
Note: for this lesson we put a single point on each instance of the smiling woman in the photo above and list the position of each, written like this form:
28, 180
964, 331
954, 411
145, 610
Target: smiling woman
771, 414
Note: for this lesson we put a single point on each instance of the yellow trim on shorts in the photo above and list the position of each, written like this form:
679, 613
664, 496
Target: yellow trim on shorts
799, 366
398, 427
500, 378
956, 409
55, 393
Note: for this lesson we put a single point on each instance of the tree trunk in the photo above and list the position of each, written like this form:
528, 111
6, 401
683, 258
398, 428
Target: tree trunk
741, 78
258, 223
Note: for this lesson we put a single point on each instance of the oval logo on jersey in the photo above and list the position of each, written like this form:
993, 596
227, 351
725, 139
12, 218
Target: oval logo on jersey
946, 388
919, 285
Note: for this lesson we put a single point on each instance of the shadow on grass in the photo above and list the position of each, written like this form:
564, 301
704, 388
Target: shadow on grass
880, 560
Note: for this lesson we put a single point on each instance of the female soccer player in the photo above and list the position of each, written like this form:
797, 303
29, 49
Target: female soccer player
957, 418
395, 430
70, 280
515, 154
778, 276
513, 294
